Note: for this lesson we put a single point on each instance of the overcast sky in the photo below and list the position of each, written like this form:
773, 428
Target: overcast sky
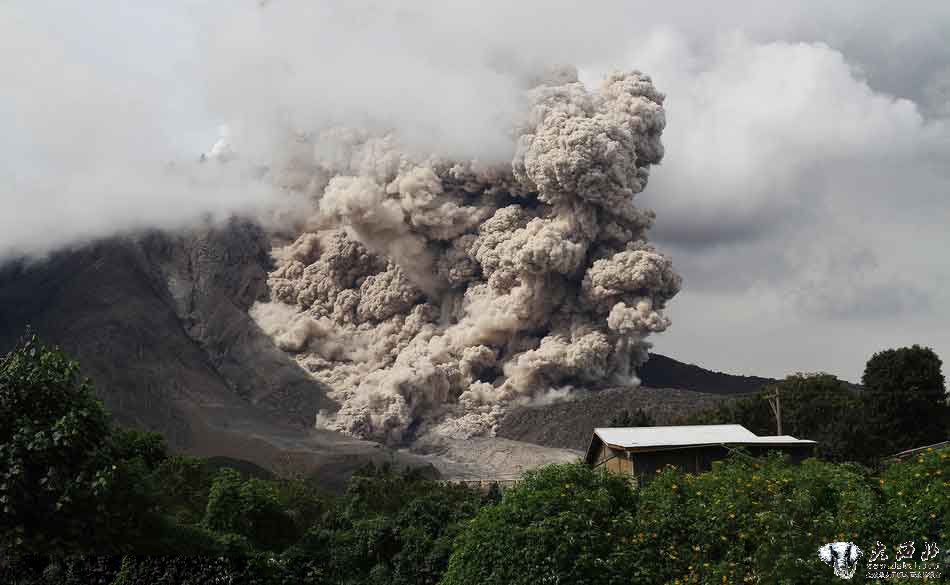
803, 197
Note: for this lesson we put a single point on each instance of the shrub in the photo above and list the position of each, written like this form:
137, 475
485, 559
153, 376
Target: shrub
915, 502
748, 519
250, 508
563, 523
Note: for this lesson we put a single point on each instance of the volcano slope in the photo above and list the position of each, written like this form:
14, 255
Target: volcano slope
160, 324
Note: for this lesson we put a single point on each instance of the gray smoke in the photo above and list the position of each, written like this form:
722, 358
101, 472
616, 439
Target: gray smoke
430, 293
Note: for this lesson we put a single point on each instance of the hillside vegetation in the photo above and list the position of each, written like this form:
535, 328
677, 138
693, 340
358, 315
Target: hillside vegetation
87, 502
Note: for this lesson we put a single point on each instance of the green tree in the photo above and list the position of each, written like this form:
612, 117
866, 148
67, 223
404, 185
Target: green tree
561, 524
131, 444
389, 528
60, 481
906, 399
819, 407
249, 508
825, 409
185, 483
751, 412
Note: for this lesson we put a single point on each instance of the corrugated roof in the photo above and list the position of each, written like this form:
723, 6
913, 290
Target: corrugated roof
682, 436
675, 436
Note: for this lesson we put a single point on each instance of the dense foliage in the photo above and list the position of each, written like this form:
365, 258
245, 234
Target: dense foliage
118, 493
906, 399
562, 523
819, 407
902, 405
746, 521
67, 483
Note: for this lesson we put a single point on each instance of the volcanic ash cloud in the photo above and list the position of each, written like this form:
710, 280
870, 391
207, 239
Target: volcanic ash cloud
429, 294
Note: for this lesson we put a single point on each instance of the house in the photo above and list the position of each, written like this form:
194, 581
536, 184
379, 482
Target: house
643, 451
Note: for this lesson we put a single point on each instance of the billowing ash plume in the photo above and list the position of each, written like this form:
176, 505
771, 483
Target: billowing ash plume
430, 293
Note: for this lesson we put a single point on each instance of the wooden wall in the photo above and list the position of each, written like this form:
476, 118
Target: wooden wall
614, 460
643, 466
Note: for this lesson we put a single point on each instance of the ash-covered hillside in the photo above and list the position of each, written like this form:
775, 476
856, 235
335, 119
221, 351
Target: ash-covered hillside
160, 324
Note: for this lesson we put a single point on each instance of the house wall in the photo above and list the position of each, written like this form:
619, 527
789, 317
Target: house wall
613, 460
700, 459
694, 460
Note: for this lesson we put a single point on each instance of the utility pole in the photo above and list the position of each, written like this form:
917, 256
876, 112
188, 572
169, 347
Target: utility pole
775, 401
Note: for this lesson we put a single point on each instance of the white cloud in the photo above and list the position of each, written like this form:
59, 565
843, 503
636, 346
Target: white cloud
803, 196
795, 189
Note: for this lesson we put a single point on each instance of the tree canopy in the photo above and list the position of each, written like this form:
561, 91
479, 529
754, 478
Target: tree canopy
65, 483
906, 398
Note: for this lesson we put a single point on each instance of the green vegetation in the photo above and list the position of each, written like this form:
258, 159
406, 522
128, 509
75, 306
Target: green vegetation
903, 405
906, 399
82, 498
562, 523
65, 477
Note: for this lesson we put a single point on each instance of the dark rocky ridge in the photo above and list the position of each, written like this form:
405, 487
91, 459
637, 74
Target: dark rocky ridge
664, 372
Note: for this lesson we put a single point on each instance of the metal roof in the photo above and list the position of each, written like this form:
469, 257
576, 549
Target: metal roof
687, 435
673, 436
